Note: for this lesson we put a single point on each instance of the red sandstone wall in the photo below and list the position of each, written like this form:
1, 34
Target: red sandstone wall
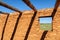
24, 21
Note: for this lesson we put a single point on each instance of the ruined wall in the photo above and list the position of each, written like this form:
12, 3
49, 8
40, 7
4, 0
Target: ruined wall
23, 25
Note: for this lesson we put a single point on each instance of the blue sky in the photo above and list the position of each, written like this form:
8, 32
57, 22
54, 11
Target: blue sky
19, 4
46, 20
39, 4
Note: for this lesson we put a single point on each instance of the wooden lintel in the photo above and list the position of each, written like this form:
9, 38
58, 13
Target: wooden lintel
44, 16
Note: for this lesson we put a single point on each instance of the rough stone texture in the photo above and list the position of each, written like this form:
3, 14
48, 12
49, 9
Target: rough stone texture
24, 21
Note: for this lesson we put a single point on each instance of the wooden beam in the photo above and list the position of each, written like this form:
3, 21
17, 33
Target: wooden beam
32, 19
3, 13
44, 16
9, 7
29, 4
55, 8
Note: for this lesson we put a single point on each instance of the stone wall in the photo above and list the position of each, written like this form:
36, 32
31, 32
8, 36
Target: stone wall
23, 25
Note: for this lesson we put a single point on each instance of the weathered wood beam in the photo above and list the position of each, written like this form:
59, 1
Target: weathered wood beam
44, 16
17, 21
29, 4
55, 8
32, 19
4, 23
3, 13
9, 7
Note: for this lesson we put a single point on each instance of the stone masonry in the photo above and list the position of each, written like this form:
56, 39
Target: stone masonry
24, 21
